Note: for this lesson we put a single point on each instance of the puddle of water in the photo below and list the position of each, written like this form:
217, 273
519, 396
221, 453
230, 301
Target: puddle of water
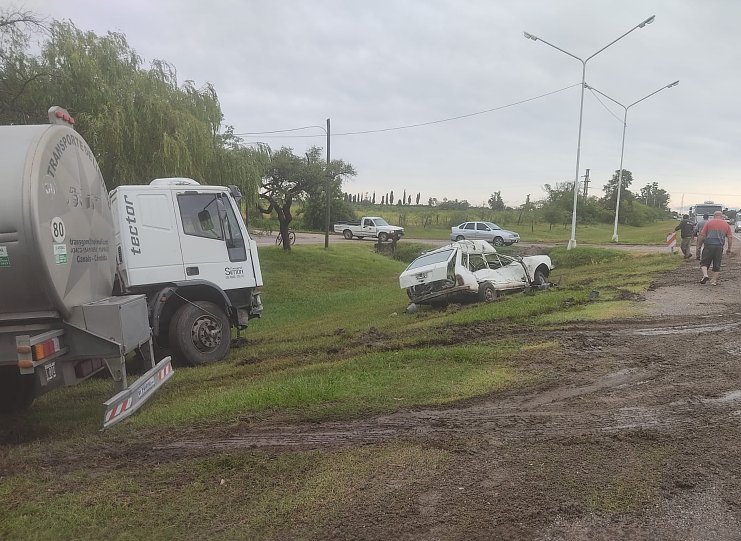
730, 396
685, 329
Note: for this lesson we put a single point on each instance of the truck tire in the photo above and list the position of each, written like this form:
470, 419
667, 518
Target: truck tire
17, 390
199, 333
383, 237
347, 234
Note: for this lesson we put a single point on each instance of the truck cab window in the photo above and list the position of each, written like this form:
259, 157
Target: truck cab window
211, 216
200, 215
233, 235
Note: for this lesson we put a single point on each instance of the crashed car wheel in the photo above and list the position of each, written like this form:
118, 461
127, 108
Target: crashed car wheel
540, 278
498, 241
487, 293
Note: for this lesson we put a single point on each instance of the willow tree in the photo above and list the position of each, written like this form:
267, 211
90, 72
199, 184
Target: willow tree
18, 71
139, 121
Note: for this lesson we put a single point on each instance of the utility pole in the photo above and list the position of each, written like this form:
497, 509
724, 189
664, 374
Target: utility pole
329, 194
586, 185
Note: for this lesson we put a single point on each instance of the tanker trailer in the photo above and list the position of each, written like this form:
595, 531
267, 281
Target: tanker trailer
59, 320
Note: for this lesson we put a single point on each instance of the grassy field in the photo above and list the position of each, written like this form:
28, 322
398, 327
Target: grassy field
587, 234
421, 222
335, 343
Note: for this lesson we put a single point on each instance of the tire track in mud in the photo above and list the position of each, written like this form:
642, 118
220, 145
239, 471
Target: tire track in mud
650, 390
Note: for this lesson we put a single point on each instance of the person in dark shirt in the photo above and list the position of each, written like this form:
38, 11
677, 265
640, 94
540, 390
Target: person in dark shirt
687, 231
698, 227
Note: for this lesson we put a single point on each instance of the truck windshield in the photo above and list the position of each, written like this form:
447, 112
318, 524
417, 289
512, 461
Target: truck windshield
431, 259
380, 222
200, 216
707, 209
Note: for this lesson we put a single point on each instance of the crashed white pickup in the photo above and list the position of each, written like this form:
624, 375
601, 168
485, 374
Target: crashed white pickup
369, 226
470, 268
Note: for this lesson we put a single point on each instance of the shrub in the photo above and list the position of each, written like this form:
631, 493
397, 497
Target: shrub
565, 259
407, 252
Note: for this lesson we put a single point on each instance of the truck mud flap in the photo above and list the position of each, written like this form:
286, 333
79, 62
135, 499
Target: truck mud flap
132, 398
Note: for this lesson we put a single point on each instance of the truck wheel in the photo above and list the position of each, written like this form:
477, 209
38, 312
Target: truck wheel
199, 333
347, 234
16, 390
460, 237
498, 241
383, 237
487, 293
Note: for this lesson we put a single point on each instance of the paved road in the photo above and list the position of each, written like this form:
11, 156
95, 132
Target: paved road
318, 238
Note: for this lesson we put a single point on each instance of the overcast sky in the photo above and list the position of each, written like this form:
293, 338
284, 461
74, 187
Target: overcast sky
284, 64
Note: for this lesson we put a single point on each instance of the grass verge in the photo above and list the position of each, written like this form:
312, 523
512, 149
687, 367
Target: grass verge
334, 343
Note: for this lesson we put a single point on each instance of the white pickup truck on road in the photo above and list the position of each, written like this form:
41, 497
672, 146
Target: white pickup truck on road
369, 226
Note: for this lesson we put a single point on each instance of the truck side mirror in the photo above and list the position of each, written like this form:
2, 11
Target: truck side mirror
204, 219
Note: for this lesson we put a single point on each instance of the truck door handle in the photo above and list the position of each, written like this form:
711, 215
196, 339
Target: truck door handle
192, 271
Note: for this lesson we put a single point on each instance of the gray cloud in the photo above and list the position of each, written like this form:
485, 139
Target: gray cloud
371, 65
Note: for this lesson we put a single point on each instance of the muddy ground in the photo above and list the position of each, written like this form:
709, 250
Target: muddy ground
633, 434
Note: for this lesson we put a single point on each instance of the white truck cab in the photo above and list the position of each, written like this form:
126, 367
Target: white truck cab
178, 230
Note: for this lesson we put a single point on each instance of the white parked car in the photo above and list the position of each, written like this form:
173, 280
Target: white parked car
487, 231
738, 226
470, 269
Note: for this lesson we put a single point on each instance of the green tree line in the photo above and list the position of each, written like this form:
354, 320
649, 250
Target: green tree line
143, 124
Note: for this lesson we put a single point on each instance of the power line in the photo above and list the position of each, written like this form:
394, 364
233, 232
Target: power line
407, 126
605, 106
707, 194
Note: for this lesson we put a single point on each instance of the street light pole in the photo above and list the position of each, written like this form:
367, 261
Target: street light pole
572, 241
622, 146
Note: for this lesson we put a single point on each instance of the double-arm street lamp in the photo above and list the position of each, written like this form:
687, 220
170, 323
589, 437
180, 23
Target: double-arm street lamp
572, 241
329, 185
622, 147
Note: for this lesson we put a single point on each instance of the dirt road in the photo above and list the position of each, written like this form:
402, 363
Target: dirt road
317, 238
634, 434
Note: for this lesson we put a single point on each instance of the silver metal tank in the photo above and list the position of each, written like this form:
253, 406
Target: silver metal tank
56, 228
